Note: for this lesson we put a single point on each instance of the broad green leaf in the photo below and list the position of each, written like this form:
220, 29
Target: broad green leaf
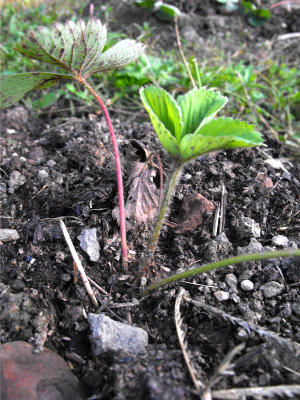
220, 133
259, 17
77, 47
146, 4
165, 117
198, 107
167, 12
14, 87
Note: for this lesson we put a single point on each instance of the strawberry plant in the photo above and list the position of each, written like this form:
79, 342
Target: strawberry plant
187, 129
76, 48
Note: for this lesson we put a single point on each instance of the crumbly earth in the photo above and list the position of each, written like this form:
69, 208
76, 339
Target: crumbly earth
54, 170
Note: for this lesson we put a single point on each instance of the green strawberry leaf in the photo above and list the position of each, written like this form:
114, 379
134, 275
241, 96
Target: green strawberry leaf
220, 133
198, 107
78, 47
165, 116
167, 12
14, 87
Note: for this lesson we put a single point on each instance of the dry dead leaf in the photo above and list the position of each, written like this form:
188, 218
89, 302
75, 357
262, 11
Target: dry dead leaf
142, 203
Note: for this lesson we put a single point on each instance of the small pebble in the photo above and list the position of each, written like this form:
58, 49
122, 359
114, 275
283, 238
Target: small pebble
209, 282
231, 280
296, 308
221, 296
7, 235
42, 175
271, 289
17, 285
247, 285
51, 163
280, 241
186, 177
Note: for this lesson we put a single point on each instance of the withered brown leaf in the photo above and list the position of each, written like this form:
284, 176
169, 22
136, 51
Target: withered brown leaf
142, 203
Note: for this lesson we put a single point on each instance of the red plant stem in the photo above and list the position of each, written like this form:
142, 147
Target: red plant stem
118, 168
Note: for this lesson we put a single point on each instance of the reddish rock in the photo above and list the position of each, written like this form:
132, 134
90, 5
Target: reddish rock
29, 376
265, 180
192, 211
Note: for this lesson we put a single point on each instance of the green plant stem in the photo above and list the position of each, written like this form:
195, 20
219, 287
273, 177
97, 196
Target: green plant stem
197, 73
219, 264
160, 219
118, 169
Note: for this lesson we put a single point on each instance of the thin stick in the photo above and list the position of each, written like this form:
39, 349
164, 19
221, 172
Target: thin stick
78, 263
118, 169
182, 55
97, 286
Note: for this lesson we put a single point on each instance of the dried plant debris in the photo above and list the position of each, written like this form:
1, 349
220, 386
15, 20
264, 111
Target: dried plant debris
271, 337
181, 336
142, 203
290, 391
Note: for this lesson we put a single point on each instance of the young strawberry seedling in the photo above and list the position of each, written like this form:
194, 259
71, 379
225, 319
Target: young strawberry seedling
187, 129
76, 48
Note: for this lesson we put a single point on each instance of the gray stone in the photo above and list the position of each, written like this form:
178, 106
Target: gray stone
42, 175
17, 285
231, 280
280, 241
221, 295
296, 308
7, 235
186, 177
285, 313
271, 289
51, 163
247, 227
16, 180
247, 285
108, 335
89, 243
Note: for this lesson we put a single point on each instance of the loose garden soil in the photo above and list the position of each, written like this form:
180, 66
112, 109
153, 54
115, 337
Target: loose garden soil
52, 170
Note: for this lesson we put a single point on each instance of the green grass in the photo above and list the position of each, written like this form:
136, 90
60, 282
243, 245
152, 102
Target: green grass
267, 94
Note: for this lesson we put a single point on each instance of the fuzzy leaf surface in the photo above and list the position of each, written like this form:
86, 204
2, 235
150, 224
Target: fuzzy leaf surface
14, 87
165, 116
77, 47
198, 107
220, 133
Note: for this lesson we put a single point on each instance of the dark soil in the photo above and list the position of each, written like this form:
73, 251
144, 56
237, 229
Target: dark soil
67, 171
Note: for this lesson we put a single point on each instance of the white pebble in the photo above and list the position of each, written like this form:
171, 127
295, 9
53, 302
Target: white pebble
247, 285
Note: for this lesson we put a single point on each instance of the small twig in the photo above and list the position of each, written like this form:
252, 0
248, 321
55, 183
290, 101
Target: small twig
216, 221
181, 336
237, 394
78, 263
182, 55
97, 286
223, 209
75, 273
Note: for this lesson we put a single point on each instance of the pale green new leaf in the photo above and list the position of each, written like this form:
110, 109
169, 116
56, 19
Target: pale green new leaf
198, 107
14, 87
165, 116
220, 133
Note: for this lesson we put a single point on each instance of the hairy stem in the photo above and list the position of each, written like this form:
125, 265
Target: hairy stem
160, 219
118, 168
219, 264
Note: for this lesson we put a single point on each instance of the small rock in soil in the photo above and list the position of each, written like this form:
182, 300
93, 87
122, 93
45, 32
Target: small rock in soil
296, 308
89, 243
108, 335
280, 241
247, 227
42, 175
271, 289
247, 285
221, 295
231, 280
8, 234
16, 179
193, 209
26, 375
